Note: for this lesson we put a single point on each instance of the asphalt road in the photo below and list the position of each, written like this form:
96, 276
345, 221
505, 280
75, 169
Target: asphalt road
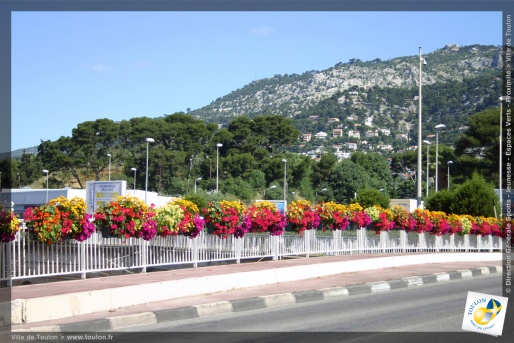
428, 313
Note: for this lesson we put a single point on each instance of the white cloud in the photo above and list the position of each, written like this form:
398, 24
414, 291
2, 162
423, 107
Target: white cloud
102, 68
263, 31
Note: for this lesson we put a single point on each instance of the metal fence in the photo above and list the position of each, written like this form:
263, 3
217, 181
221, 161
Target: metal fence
25, 258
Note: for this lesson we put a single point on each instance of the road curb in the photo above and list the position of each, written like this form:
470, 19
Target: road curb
254, 303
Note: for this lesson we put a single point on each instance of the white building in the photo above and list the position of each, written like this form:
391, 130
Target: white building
354, 133
321, 135
21, 199
352, 146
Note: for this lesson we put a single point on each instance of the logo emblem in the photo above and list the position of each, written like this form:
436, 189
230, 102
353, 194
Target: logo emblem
484, 313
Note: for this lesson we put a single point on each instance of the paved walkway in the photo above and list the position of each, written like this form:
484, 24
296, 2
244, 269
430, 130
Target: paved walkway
104, 303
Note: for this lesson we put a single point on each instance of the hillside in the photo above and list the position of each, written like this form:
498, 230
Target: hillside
457, 82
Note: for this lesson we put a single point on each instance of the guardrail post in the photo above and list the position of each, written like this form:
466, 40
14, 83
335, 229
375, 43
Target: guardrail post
238, 245
195, 249
274, 247
403, 240
143, 256
9, 264
384, 238
83, 259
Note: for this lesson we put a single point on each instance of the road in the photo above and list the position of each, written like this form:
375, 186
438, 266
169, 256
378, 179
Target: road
432, 308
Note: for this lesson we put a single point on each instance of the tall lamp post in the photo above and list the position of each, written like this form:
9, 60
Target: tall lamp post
428, 146
198, 179
449, 162
316, 195
148, 141
109, 166
264, 193
134, 170
437, 127
218, 146
421, 62
46, 172
285, 178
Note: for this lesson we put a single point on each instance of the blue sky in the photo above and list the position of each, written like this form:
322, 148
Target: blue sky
71, 67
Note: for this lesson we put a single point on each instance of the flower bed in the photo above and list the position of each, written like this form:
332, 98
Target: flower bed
265, 217
125, 217
9, 226
333, 216
226, 218
301, 216
59, 219
128, 216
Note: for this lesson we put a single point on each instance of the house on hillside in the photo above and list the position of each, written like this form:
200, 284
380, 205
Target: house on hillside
337, 133
321, 135
354, 134
352, 146
306, 137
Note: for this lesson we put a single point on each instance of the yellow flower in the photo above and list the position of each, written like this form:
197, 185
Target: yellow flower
189, 205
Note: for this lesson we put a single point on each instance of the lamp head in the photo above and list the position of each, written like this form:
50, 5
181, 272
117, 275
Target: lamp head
45, 171
198, 179
219, 145
440, 126
133, 169
284, 160
150, 140
426, 142
450, 162
109, 155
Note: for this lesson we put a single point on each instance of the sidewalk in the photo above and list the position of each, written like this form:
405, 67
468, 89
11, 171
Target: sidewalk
114, 302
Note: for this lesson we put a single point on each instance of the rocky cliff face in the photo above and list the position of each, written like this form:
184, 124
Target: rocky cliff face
289, 95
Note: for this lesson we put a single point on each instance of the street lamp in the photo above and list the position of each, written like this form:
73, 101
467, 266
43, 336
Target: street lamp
437, 127
109, 166
264, 193
46, 172
148, 141
195, 182
134, 170
285, 177
428, 146
449, 162
19, 179
316, 195
218, 146
421, 62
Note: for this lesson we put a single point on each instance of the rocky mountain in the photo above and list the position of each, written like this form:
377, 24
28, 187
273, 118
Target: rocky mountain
296, 95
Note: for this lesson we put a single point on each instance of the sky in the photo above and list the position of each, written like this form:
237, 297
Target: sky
72, 67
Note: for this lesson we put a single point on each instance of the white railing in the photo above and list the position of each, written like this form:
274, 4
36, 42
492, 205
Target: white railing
26, 258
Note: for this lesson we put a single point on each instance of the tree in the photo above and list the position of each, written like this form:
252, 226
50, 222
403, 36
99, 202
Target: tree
475, 197
377, 168
440, 201
368, 197
323, 169
480, 143
346, 179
